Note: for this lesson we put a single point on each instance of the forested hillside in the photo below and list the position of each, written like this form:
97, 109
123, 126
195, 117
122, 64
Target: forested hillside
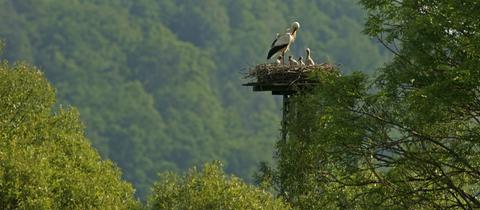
157, 83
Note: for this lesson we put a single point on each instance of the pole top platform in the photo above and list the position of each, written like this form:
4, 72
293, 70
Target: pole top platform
286, 79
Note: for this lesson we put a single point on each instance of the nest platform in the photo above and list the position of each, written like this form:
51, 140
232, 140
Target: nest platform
285, 79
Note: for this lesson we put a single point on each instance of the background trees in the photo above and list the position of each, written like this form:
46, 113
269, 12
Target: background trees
45, 160
157, 83
154, 83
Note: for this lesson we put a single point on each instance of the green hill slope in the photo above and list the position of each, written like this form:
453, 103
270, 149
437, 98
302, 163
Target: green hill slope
158, 82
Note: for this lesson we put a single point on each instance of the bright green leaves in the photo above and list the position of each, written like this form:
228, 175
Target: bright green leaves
410, 141
45, 160
157, 82
326, 138
21, 92
209, 188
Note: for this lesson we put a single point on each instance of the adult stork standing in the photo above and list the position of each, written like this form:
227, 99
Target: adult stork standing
282, 42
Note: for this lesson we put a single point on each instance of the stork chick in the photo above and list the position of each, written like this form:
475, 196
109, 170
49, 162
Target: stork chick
300, 61
309, 60
279, 60
292, 61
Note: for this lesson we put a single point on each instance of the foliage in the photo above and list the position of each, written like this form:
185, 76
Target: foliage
158, 82
209, 188
322, 128
410, 139
45, 160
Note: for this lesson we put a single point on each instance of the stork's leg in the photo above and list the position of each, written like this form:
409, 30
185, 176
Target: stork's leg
283, 57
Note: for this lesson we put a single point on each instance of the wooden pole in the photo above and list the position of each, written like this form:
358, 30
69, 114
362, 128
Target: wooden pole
284, 118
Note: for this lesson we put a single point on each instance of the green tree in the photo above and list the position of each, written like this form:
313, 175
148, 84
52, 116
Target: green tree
410, 139
158, 82
209, 188
45, 160
324, 143
431, 99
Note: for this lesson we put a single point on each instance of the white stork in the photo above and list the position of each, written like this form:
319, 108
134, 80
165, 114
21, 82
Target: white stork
279, 60
282, 43
300, 61
309, 60
292, 61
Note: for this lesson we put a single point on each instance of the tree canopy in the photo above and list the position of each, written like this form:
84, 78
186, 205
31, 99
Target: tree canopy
209, 188
157, 83
409, 139
46, 162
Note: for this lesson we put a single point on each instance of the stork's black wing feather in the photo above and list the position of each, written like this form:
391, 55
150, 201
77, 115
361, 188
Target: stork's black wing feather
275, 49
273, 43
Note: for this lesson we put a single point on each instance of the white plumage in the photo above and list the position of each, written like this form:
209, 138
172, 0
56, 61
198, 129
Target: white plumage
309, 61
292, 61
282, 43
300, 61
279, 60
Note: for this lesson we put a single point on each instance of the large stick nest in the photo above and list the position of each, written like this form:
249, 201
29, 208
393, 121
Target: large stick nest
278, 73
